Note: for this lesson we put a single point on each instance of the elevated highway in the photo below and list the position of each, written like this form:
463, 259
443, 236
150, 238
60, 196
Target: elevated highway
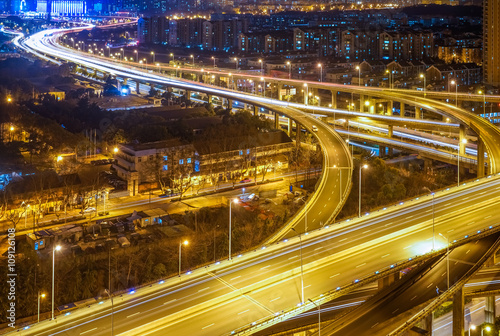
261, 286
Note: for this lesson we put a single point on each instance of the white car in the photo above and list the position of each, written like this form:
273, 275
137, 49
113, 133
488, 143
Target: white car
89, 210
314, 128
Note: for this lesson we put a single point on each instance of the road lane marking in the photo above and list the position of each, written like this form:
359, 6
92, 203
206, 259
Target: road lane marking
386, 255
207, 326
450, 230
84, 332
201, 290
395, 311
239, 276
342, 240
363, 264
293, 257
367, 231
488, 216
170, 301
413, 298
409, 217
430, 284
243, 312
279, 297
133, 314
307, 286
333, 276
265, 267
374, 325
471, 223
407, 247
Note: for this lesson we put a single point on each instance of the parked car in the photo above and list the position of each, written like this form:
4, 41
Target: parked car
89, 209
246, 180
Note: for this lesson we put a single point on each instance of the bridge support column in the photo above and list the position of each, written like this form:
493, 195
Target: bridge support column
489, 309
276, 120
280, 87
390, 152
480, 157
188, 95
125, 81
334, 98
402, 108
390, 131
427, 164
461, 138
137, 87
255, 110
388, 280
209, 98
426, 323
458, 313
417, 113
297, 133
289, 128
381, 151
390, 106
361, 103
230, 104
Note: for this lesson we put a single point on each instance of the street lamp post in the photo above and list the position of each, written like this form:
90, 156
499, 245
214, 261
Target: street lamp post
464, 142
39, 296
153, 54
289, 69
112, 312
123, 53
56, 248
235, 201
192, 57
264, 86
236, 63
319, 316
180, 253
425, 84
306, 94
359, 74
320, 66
136, 56
158, 65
447, 259
213, 58
301, 268
261, 67
433, 228
484, 102
172, 55
360, 168
471, 327
456, 91
487, 328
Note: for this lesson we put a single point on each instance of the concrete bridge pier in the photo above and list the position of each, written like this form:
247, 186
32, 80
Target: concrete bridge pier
388, 280
230, 104
209, 98
390, 106
276, 120
458, 313
334, 98
255, 110
390, 131
289, 128
461, 138
125, 81
489, 309
297, 133
361, 103
280, 87
426, 324
390, 152
381, 151
418, 114
402, 108
137, 87
480, 157
188, 95
427, 164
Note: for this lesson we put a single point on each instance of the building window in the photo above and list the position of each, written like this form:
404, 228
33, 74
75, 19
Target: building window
181, 161
165, 167
188, 160
165, 157
241, 152
248, 151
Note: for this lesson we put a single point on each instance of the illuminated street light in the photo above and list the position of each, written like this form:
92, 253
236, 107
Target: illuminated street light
320, 66
484, 102
56, 248
136, 56
425, 82
40, 296
213, 58
471, 327
447, 259
236, 62
153, 54
487, 328
185, 243
456, 91
359, 74
172, 55
360, 167
261, 67
306, 94
289, 69
59, 158
192, 57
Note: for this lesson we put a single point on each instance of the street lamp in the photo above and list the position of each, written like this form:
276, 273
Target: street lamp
40, 296
180, 253
471, 327
301, 267
289, 69
319, 316
464, 142
236, 62
213, 58
172, 55
487, 328
433, 227
112, 313
56, 248
484, 102
264, 86
136, 56
235, 201
425, 83
359, 74
123, 53
318, 99
192, 57
456, 91
360, 167
447, 259
320, 66
158, 65
153, 54
261, 67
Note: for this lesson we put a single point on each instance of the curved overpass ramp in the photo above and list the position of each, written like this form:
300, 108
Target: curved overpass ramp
335, 182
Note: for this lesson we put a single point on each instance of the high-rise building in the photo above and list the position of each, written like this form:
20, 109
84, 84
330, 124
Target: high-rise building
491, 38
